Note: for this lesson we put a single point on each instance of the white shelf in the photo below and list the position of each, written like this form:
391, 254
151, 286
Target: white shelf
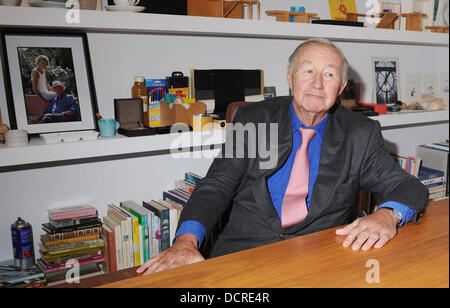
124, 22
411, 117
37, 152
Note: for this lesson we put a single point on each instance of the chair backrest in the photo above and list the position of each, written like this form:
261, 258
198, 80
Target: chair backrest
232, 109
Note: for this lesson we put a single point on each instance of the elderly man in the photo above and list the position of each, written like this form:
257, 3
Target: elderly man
62, 108
325, 155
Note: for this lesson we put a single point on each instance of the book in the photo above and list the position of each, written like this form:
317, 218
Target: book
45, 239
69, 265
174, 197
173, 220
47, 227
110, 248
185, 186
115, 226
73, 221
127, 234
71, 212
73, 234
192, 178
435, 159
136, 237
163, 213
143, 215
10, 277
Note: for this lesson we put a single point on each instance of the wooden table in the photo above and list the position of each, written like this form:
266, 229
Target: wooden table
417, 257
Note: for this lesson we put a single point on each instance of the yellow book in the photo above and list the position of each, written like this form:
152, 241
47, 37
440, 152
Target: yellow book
45, 238
338, 8
136, 240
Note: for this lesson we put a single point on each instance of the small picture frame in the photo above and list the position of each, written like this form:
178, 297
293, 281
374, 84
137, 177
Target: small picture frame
48, 79
385, 74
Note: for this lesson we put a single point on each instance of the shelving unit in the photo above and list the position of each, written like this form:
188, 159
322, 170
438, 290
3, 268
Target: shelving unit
131, 23
37, 153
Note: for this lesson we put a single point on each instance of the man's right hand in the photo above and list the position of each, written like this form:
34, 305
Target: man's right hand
183, 251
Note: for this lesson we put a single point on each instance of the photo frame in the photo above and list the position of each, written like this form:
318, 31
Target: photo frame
49, 83
386, 85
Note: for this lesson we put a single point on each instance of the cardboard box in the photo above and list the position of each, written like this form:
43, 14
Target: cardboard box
165, 114
180, 113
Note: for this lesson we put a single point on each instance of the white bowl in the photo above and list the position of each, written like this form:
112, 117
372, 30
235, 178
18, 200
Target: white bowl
50, 138
70, 136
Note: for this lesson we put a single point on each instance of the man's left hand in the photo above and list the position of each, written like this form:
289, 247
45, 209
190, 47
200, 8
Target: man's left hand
373, 230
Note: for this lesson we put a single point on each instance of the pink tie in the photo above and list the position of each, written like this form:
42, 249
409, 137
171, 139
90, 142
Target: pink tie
293, 209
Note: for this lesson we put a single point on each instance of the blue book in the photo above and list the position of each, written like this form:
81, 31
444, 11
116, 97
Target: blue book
163, 213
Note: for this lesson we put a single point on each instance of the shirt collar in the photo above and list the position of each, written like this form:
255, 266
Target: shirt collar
296, 123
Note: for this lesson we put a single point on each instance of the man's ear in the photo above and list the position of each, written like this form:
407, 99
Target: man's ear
289, 78
342, 87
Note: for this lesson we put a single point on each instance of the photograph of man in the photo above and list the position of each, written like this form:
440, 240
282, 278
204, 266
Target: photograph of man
63, 108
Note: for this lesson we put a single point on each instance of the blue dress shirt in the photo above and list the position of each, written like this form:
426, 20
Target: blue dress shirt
278, 182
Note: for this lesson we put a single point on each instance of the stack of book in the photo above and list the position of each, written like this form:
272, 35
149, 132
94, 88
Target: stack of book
408, 163
135, 233
435, 156
72, 238
13, 277
434, 180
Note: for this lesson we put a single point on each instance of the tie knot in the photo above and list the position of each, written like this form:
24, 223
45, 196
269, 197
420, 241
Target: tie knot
307, 134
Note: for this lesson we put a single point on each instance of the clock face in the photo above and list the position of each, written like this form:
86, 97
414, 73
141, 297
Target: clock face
386, 82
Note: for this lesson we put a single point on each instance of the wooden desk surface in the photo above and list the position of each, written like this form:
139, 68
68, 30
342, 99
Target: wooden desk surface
417, 257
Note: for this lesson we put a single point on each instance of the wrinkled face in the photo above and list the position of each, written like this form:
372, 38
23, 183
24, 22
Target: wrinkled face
315, 79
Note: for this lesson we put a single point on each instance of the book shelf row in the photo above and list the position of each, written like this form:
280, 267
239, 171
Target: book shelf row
429, 165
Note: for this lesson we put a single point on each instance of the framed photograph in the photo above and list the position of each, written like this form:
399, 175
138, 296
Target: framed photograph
385, 73
49, 82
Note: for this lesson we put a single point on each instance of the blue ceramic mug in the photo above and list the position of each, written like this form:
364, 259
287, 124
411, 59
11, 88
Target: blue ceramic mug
108, 127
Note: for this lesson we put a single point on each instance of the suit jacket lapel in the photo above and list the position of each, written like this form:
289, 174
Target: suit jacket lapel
330, 166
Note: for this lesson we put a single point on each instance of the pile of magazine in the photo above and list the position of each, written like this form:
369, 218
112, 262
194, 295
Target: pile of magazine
13, 277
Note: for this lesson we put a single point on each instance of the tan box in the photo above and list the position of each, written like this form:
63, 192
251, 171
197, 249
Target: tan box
178, 113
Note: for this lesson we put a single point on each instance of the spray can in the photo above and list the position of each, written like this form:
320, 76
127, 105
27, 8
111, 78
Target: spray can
22, 239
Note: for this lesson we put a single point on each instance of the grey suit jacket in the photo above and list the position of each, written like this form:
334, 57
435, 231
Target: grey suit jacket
233, 204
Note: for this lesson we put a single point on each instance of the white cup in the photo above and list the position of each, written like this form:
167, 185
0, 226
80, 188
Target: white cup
126, 2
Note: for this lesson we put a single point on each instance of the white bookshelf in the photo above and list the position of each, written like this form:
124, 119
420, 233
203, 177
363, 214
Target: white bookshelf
132, 23
37, 152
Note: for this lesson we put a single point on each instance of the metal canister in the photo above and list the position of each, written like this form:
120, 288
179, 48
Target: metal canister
22, 240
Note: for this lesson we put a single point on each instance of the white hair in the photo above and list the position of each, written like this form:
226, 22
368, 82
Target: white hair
322, 42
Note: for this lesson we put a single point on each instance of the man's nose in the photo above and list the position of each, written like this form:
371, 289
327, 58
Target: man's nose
318, 81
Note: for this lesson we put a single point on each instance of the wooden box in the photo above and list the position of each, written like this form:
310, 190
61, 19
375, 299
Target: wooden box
129, 113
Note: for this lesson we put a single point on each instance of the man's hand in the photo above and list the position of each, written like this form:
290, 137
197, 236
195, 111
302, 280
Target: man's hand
183, 251
374, 230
